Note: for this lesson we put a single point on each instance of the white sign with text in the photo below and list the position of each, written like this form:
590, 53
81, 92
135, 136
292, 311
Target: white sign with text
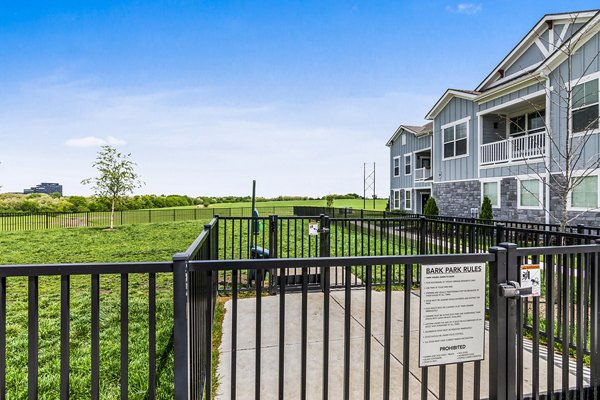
452, 319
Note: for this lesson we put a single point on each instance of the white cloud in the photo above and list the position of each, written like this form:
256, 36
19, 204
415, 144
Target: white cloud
191, 143
93, 141
466, 8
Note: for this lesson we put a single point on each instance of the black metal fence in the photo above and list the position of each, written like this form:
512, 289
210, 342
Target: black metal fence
55, 220
382, 255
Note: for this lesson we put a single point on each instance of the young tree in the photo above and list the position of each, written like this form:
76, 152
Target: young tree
570, 165
486, 214
431, 209
116, 178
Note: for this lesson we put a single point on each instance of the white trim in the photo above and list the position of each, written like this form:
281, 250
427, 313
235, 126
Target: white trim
445, 99
512, 164
404, 164
479, 142
497, 181
569, 197
572, 85
521, 178
457, 180
457, 122
563, 33
540, 46
393, 206
547, 161
394, 167
509, 103
521, 47
461, 121
551, 45
411, 199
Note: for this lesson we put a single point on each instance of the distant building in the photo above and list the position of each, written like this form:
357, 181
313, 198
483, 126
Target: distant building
45, 187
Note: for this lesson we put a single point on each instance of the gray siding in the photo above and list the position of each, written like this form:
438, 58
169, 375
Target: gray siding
460, 168
532, 167
413, 144
511, 96
584, 61
491, 133
531, 56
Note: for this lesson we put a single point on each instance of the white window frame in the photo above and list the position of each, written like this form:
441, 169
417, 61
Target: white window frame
526, 128
540, 196
569, 198
396, 193
454, 124
499, 192
409, 165
403, 139
572, 85
394, 166
409, 191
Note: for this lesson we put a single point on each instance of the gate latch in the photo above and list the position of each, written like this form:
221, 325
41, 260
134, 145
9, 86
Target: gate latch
323, 230
512, 289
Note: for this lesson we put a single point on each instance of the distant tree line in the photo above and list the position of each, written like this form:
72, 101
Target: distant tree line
36, 202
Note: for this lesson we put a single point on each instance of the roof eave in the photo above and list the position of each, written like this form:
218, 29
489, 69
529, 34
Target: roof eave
445, 99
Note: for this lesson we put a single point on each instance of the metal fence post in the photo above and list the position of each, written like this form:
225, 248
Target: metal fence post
324, 247
180, 327
422, 235
595, 322
498, 315
472, 245
273, 250
512, 323
499, 234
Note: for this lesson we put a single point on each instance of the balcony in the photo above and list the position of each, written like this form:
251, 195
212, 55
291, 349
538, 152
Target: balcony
513, 149
422, 174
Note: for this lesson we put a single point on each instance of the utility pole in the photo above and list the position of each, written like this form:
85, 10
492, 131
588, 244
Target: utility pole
368, 183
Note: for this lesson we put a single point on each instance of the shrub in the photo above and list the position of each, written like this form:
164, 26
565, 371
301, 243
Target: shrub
486, 213
431, 208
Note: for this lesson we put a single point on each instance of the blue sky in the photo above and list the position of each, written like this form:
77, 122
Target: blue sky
208, 95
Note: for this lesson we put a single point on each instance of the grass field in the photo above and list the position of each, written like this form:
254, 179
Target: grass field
148, 242
340, 203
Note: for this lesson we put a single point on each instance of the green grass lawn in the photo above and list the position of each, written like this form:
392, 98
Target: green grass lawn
340, 203
148, 242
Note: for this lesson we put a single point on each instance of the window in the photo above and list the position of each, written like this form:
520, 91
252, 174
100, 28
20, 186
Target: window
536, 121
529, 193
404, 139
517, 125
491, 190
455, 140
407, 199
532, 122
396, 166
407, 160
585, 194
585, 106
396, 199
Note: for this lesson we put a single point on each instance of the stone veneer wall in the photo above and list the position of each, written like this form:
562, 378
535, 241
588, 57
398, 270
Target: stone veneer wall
457, 198
589, 218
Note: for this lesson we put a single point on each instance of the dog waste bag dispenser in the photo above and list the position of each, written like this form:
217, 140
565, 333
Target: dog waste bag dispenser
256, 223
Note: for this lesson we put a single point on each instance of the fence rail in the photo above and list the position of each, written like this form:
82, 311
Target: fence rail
347, 252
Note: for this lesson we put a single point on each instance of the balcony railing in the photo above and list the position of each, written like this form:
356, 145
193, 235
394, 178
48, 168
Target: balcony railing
422, 174
514, 149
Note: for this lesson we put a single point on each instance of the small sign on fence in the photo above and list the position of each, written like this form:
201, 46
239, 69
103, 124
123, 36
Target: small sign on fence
452, 326
313, 228
531, 278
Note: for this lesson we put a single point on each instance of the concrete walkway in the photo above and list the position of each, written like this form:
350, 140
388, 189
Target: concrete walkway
270, 350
